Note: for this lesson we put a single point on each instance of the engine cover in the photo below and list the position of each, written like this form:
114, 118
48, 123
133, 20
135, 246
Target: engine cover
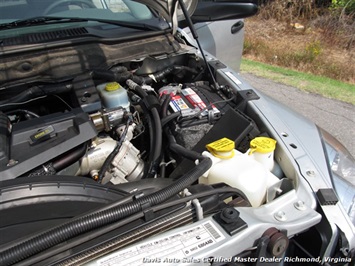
37, 141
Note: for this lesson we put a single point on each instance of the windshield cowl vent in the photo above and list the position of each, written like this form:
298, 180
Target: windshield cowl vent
43, 36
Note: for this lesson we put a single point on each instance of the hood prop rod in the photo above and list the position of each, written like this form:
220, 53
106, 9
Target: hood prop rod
195, 36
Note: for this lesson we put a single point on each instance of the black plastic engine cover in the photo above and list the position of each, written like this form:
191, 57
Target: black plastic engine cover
37, 141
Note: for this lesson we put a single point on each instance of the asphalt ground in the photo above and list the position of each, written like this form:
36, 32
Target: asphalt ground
336, 117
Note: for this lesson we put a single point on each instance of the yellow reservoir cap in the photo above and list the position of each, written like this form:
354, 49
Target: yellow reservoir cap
112, 86
222, 148
262, 145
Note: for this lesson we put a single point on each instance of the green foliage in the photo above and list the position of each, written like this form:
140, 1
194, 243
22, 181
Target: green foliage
288, 10
313, 50
308, 58
255, 46
347, 5
312, 83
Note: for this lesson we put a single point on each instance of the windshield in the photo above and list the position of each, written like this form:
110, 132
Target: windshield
25, 16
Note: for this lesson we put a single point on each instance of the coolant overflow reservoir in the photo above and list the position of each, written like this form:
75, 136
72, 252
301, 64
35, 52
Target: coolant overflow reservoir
238, 170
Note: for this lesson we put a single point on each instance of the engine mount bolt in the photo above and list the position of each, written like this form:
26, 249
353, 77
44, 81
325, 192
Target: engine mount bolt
299, 205
280, 216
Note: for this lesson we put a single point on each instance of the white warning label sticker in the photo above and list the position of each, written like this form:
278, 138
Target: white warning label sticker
178, 104
170, 249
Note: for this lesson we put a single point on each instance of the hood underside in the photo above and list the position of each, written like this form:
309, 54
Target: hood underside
169, 8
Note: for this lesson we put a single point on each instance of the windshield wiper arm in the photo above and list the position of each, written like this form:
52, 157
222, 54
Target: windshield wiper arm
38, 21
48, 20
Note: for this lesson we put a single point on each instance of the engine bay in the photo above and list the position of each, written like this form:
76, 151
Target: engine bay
119, 125
124, 142
136, 127
44, 125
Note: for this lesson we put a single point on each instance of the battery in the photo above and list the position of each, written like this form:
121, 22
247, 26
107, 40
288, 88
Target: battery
197, 102
188, 102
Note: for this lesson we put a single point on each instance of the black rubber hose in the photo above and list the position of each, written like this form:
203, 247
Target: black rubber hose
112, 155
169, 118
157, 134
155, 77
178, 149
24, 111
162, 74
165, 99
136, 88
54, 89
106, 75
59, 164
165, 106
70, 157
109, 75
34, 92
151, 133
189, 69
189, 154
25, 95
123, 74
142, 80
156, 141
84, 224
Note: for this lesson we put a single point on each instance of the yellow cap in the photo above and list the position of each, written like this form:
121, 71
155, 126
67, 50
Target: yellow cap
222, 148
112, 86
262, 145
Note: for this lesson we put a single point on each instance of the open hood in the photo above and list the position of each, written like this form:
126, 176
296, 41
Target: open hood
206, 10
169, 8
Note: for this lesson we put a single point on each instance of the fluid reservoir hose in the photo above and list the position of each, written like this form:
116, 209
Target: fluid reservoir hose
157, 134
77, 226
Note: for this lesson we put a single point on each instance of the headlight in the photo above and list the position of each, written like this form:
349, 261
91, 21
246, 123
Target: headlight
342, 168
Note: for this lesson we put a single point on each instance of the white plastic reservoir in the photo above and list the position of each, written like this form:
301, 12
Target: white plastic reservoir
262, 150
239, 170
113, 95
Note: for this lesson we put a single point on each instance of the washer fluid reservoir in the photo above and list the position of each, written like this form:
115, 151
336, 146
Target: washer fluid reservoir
262, 150
239, 170
113, 95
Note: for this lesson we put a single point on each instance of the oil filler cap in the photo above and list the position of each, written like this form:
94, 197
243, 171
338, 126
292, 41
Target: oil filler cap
222, 148
262, 145
42, 135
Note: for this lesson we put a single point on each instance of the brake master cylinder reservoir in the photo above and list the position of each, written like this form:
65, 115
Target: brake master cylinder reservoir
238, 170
113, 95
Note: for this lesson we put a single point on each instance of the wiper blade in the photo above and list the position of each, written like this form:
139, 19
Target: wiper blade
49, 20
38, 21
